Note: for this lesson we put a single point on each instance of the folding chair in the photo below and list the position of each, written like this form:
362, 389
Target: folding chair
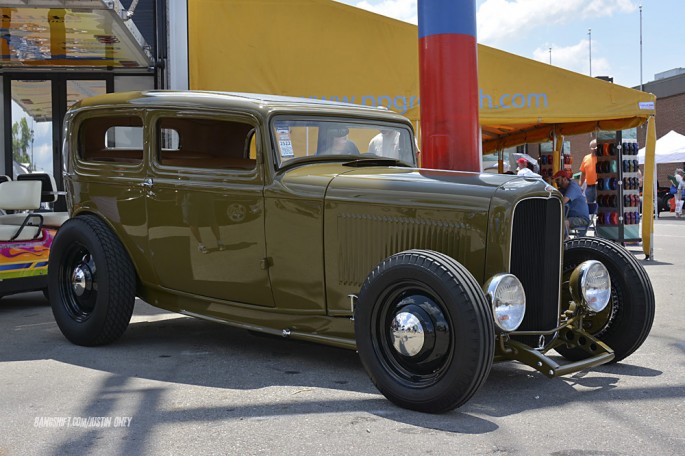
579, 231
593, 208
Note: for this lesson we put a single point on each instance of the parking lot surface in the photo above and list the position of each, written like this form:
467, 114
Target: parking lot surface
177, 385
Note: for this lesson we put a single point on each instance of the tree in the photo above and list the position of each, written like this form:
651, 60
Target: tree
22, 137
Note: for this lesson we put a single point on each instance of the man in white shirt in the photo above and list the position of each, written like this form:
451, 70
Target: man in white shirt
386, 144
524, 170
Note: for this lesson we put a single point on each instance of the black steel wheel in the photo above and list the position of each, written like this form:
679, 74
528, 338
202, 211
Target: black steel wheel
626, 321
91, 282
424, 331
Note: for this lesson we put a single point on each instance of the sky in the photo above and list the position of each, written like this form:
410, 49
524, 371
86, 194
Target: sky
42, 140
592, 37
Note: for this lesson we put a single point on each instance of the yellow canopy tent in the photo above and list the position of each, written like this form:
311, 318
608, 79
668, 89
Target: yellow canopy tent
524, 100
328, 50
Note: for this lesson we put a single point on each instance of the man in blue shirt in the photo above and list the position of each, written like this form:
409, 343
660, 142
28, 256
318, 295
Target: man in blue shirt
575, 204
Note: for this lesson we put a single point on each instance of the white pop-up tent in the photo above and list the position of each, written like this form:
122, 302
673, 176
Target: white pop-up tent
670, 148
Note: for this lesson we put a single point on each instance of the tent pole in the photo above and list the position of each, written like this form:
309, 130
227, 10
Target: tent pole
649, 194
556, 160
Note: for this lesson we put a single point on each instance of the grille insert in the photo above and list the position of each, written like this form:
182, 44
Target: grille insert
536, 261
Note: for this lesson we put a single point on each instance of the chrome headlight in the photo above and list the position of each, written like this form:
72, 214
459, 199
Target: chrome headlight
590, 285
508, 300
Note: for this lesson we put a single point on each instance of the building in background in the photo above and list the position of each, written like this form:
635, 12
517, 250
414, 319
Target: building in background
56, 52
669, 88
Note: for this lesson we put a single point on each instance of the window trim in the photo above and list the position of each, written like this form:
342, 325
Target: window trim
155, 115
89, 114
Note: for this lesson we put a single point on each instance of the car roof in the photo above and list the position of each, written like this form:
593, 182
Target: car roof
226, 100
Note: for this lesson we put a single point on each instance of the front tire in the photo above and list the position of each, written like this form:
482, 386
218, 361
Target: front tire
424, 331
626, 321
91, 282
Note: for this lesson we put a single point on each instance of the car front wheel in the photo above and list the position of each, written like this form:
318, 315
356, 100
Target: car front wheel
626, 321
424, 331
91, 282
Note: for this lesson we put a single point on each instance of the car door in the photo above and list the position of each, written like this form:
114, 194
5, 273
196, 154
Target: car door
105, 167
205, 206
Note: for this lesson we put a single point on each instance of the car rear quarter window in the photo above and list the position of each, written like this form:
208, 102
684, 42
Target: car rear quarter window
115, 139
205, 143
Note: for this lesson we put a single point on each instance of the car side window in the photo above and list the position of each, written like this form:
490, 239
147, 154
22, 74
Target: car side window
197, 142
111, 139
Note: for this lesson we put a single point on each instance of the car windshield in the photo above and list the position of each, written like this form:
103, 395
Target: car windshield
300, 138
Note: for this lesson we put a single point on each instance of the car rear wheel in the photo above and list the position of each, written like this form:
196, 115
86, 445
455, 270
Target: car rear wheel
91, 282
424, 331
626, 321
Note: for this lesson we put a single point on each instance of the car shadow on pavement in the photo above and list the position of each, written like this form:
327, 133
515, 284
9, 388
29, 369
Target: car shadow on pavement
533, 391
179, 350
643, 260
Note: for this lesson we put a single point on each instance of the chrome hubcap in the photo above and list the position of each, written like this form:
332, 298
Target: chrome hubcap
417, 334
81, 279
78, 282
407, 334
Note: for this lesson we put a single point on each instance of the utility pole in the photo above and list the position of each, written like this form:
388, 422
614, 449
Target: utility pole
550, 56
641, 86
589, 38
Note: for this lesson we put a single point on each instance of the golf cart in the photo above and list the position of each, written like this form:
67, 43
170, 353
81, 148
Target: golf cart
27, 228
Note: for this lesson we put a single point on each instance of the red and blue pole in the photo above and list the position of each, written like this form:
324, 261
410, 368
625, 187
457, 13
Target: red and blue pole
448, 74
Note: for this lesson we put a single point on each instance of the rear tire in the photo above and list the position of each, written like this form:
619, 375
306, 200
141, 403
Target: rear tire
91, 282
424, 331
626, 321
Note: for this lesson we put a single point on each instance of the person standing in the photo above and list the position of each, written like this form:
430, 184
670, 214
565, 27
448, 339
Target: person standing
679, 192
575, 204
385, 144
339, 144
524, 169
588, 173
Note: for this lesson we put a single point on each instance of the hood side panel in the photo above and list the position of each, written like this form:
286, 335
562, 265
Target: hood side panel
366, 239
371, 216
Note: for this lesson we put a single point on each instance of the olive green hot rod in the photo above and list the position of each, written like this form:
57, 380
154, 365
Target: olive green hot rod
310, 220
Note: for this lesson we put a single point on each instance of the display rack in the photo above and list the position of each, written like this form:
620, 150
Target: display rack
618, 193
546, 161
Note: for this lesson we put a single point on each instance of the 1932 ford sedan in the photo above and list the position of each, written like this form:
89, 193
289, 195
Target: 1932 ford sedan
310, 220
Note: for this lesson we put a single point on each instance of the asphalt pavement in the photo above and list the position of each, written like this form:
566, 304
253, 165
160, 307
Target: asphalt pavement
177, 385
